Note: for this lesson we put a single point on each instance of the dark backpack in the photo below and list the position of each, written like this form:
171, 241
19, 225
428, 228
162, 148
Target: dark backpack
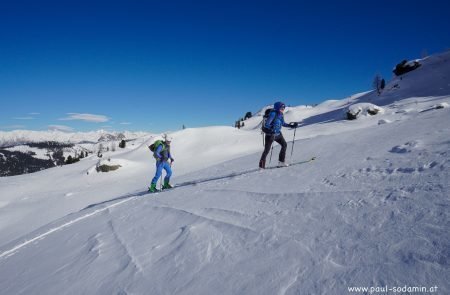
263, 124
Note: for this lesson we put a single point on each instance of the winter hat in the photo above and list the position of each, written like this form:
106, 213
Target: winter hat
279, 105
167, 138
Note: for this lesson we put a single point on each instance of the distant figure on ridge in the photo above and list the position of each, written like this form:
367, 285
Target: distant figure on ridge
161, 152
272, 123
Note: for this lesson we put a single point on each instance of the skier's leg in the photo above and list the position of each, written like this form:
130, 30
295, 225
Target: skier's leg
267, 146
280, 139
166, 184
158, 173
168, 172
159, 167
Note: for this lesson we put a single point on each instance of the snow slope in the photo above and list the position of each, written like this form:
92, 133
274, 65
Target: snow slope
371, 211
62, 190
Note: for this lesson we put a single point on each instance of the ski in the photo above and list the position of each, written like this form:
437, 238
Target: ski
293, 164
160, 190
303, 162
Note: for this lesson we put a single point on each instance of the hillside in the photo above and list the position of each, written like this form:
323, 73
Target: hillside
371, 211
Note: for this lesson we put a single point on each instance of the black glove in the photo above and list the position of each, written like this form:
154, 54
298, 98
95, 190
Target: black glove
172, 160
293, 124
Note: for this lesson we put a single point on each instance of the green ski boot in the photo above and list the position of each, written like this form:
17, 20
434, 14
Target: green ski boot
152, 188
167, 185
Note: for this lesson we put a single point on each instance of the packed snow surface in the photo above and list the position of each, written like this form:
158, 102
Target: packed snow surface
372, 210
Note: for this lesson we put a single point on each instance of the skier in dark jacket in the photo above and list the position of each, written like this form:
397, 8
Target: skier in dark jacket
272, 129
162, 156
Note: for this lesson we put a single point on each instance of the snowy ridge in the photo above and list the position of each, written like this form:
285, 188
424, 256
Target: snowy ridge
430, 80
372, 210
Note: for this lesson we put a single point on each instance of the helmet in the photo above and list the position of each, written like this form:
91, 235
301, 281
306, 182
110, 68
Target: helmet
167, 138
279, 105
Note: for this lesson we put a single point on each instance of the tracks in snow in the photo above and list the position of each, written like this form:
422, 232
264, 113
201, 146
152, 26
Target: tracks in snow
14, 250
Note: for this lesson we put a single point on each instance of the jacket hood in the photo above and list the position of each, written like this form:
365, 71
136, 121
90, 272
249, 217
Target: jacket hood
279, 105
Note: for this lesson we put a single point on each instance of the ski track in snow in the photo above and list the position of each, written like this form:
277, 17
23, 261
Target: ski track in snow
15, 249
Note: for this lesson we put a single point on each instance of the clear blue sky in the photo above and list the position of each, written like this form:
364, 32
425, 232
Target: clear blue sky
155, 65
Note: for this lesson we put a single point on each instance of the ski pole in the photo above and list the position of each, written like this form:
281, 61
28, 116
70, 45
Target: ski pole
271, 150
293, 142
161, 178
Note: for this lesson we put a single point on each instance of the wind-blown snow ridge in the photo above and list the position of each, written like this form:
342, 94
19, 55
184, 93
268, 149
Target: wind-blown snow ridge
14, 250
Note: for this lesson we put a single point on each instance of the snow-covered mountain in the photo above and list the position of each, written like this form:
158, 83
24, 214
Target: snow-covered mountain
16, 137
371, 211
30, 151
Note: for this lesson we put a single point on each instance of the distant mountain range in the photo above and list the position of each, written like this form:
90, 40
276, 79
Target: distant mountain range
16, 137
25, 151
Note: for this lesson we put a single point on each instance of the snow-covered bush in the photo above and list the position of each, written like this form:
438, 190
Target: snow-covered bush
383, 121
362, 109
110, 164
107, 168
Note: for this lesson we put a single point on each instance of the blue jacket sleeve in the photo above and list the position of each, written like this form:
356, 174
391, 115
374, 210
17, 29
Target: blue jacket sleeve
269, 120
158, 152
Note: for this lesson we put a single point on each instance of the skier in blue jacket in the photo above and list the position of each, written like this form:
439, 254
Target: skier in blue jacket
272, 129
162, 156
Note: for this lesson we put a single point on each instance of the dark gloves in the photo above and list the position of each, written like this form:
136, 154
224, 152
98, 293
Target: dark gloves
172, 160
293, 125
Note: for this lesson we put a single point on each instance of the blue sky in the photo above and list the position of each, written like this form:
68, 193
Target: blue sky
156, 65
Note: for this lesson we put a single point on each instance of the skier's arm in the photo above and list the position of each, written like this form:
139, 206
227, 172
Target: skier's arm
158, 152
284, 123
269, 120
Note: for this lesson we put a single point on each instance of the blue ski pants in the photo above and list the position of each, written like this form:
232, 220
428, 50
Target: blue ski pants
160, 165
